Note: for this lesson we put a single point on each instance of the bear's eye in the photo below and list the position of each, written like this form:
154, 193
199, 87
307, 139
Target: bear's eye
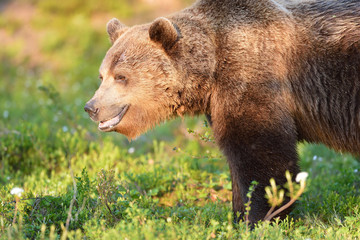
120, 78
100, 77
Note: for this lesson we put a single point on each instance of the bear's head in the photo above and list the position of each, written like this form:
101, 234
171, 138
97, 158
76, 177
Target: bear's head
139, 80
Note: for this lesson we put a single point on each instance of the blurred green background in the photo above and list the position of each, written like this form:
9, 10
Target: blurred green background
50, 54
173, 178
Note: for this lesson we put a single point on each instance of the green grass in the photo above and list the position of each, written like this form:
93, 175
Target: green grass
168, 184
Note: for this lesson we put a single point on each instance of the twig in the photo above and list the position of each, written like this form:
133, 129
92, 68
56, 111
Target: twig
34, 206
72, 201
141, 191
16, 208
301, 190
80, 210
270, 211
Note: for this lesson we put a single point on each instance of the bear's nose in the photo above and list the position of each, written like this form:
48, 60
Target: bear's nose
91, 109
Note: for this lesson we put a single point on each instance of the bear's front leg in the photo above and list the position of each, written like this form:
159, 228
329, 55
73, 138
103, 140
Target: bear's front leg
259, 142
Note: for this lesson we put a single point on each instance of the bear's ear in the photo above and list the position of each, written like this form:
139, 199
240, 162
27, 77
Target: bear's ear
163, 31
115, 28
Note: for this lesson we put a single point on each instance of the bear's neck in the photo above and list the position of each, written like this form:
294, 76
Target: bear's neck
194, 56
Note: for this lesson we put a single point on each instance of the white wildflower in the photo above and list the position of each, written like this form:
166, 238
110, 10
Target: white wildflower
17, 191
301, 176
131, 150
6, 114
65, 128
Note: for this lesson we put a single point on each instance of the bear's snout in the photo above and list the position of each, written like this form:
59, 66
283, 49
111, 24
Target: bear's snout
91, 109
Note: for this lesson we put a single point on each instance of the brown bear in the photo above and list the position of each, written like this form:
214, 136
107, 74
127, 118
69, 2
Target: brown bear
266, 73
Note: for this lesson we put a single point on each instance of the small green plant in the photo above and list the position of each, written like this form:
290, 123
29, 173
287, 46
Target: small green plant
206, 135
248, 204
107, 190
276, 197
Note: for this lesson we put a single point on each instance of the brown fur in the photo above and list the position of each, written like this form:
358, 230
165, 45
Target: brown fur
268, 74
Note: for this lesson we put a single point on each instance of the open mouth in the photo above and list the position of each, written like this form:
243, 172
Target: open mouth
109, 124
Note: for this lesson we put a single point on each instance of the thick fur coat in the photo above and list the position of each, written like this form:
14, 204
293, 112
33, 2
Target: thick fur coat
266, 73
